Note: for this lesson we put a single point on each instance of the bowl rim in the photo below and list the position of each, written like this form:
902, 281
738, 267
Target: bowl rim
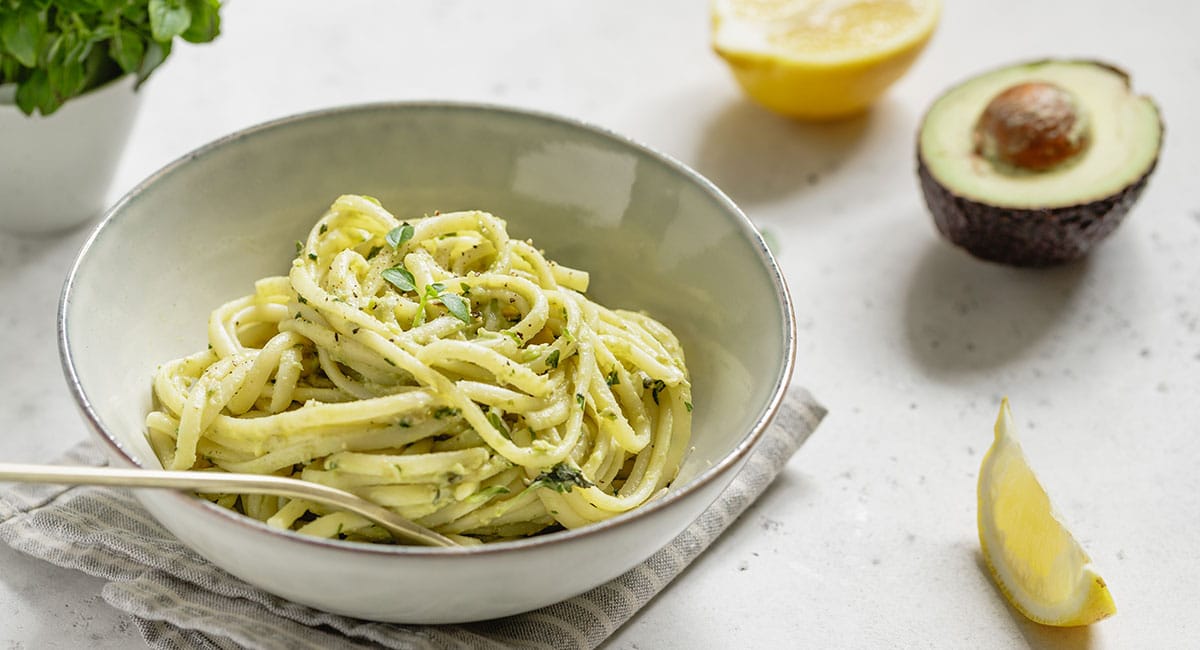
198, 506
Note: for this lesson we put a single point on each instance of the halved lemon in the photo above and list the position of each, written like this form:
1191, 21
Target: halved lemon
820, 59
1034, 559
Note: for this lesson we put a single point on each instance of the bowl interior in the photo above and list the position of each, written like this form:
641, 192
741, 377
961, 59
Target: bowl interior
653, 235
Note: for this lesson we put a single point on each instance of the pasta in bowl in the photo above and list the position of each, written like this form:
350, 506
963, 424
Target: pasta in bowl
439, 368
219, 227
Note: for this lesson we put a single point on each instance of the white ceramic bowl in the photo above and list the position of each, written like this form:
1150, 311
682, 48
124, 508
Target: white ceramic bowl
654, 235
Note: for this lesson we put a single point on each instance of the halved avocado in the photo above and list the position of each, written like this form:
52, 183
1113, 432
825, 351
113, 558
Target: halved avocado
1032, 164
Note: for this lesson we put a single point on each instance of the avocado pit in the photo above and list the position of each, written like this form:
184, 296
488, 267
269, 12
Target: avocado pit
1032, 126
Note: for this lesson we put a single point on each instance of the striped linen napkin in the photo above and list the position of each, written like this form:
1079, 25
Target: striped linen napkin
178, 600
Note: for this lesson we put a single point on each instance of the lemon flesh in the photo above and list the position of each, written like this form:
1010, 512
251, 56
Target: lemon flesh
1037, 564
820, 59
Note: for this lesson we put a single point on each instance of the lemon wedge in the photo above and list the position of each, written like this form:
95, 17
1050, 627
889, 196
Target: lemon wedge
820, 59
1033, 558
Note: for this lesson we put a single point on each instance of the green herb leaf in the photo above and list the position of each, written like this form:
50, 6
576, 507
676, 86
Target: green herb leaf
552, 359
445, 412
21, 32
299, 246
65, 80
688, 406
397, 236
312, 256
400, 278
498, 423
156, 53
9, 67
657, 386
323, 229
432, 291
612, 378
206, 21
579, 399
35, 94
466, 288
168, 19
561, 478
457, 306
374, 251
127, 49
487, 493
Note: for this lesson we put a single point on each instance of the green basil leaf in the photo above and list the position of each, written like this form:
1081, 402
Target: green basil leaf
77, 6
656, 387
156, 53
457, 306
21, 33
65, 81
127, 49
397, 236
497, 423
56, 46
36, 93
400, 278
487, 493
552, 359
82, 49
28, 92
561, 478
206, 21
168, 19
8, 68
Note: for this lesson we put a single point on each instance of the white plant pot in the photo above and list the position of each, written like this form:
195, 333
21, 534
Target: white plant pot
55, 171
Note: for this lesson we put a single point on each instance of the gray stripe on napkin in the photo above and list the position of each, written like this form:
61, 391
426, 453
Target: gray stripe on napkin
180, 601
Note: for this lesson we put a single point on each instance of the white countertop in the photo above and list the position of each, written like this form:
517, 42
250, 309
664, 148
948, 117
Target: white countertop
868, 539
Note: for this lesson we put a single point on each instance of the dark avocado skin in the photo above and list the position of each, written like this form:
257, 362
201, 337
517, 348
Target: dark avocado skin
1026, 237
1031, 237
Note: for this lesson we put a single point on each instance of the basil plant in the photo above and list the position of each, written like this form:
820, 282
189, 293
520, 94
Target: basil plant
54, 50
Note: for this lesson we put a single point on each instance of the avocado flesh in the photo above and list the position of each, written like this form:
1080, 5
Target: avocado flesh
1038, 218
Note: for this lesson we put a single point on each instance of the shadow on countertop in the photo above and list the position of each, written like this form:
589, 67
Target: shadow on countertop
757, 156
1039, 636
963, 314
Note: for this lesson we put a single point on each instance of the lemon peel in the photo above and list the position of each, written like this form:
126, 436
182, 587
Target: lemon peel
820, 59
1035, 561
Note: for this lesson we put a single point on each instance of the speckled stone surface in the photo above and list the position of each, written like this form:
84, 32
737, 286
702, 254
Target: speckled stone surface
868, 538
